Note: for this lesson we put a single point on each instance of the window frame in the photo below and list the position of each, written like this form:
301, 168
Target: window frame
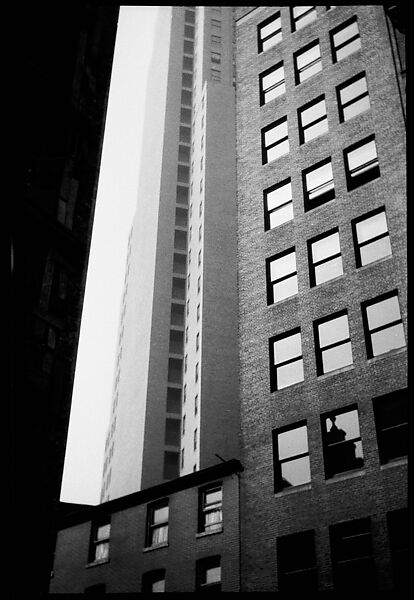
294, 20
313, 265
354, 100
262, 25
263, 91
324, 196
278, 485
368, 174
298, 54
152, 526
274, 367
285, 576
205, 508
330, 473
151, 577
268, 212
319, 350
368, 333
95, 542
270, 284
397, 526
302, 128
358, 245
279, 141
386, 430
202, 566
338, 29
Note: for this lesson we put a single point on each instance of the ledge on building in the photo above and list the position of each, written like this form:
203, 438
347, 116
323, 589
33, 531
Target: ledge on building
202, 534
97, 563
294, 489
156, 547
347, 475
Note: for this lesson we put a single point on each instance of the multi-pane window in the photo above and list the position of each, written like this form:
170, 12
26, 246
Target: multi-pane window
371, 237
302, 15
341, 438
286, 360
278, 204
157, 524
210, 509
275, 140
361, 163
352, 557
353, 97
291, 456
345, 39
281, 276
313, 120
383, 325
208, 574
296, 562
332, 342
398, 534
269, 32
318, 184
99, 544
154, 581
391, 422
325, 260
272, 83
307, 61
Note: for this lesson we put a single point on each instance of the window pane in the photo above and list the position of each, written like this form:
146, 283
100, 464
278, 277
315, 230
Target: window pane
213, 574
388, 339
383, 312
362, 155
278, 151
290, 374
281, 215
160, 515
103, 532
158, 586
316, 179
296, 472
328, 270
273, 78
279, 196
283, 266
299, 10
313, 112
349, 423
270, 28
288, 347
272, 41
348, 49
308, 57
275, 92
102, 551
276, 133
371, 227
315, 130
159, 535
306, 19
375, 251
333, 331
213, 496
293, 442
345, 34
312, 70
356, 108
337, 357
353, 90
285, 289
325, 247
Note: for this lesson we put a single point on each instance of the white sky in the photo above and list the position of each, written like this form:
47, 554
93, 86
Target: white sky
115, 207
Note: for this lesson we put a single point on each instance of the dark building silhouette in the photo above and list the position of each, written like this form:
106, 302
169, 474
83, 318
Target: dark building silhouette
68, 51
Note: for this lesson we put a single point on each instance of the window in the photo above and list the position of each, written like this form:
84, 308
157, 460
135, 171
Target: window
318, 184
290, 456
361, 163
157, 524
198, 312
195, 404
391, 422
171, 465
189, 16
353, 98
182, 458
197, 341
325, 260
199, 284
302, 15
208, 574
371, 237
383, 325
281, 276
313, 120
278, 205
296, 562
216, 58
272, 83
215, 39
286, 360
172, 432
99, 544
215, 74
332, 341
196, 373
210, 509
154, 581
173, 400
269, 32
345, 39
275, 141
351, 552
199, 254
183, 426
307, 61
341, 438
195, 440
397, 523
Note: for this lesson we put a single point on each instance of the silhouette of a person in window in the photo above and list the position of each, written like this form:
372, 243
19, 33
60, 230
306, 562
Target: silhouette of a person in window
341, 452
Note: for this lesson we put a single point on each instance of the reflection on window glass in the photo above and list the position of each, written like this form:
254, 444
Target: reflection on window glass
291, 462
341, 442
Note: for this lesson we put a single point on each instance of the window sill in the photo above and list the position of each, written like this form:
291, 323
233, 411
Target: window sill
373, 263
387, 354
336, 372
293, 490
206, 533
96, 563
395, 462
322, 285
157, 547
344, 476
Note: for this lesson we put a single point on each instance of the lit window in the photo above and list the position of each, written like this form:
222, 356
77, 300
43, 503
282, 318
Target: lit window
318, 184
275, 141
278, 205
371, 237
313, 120
211, 514
353, 97
342, 446
286, 360
391, 421
333, 344
398, 534
157, 524
307, 62
269, 32
383, 325
154, 581
325, 260
208, 574
302, 15
345, 39
99, 546
272, 83
296, 562
352, 560
361, 163
291, 456
281, 276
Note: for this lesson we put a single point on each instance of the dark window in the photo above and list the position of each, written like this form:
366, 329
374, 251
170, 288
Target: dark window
208, 574
391, 422
302, 15
371, 237
157, 523
278, 204
272, 83
397, 522
172, 432
189, 16
174, 400
286, 360
313, 120
188, 47
269, 32
176, 341
281, 276
318, 184
353, 97
290, 456
345, 39
296, 562
332, 342
99, 542
185, 136
187, 64
307, 62
189, 31
361, 163
341, 438
325, 260
98, 588
187, 81
210, 509
383, 325
177, 315
351, 551
175, 370
154, 581
275, 140
171, 465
